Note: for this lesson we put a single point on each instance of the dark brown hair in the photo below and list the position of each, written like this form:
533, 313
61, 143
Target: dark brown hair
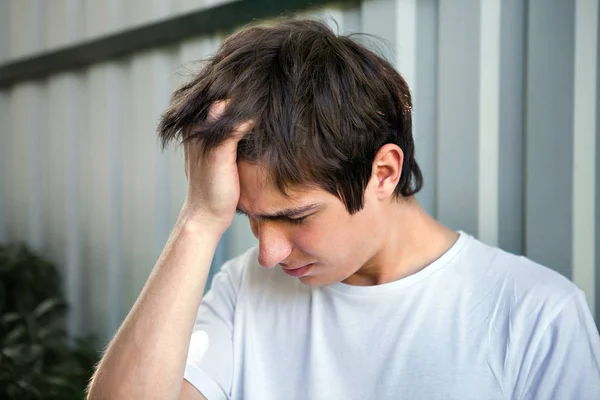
322, 106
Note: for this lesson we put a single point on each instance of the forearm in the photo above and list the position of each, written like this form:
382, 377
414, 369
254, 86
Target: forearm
146, 358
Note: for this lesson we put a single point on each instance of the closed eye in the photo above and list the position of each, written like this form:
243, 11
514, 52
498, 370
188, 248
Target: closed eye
296, 221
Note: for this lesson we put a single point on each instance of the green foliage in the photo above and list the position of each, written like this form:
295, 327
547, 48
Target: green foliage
37, 360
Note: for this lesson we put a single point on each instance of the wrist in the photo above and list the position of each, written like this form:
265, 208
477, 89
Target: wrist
198, 223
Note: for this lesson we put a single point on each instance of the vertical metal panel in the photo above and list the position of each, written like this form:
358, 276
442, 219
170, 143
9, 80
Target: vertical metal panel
378, 18
341, 20
11, 174
584, 146
75, 95
409, 31
63, 23
95, 192
61, 206
116, 110
28, 124
5, 134
458, 114
182, 6
25, 27
144, 11
146, 194
511, 126
4, 30
54, 212
103, 17
489, 121
102, 201
25, 178
549, 134
597, 175
129, 177
424, 100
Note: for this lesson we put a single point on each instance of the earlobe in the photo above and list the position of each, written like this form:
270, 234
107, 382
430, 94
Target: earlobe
387, 167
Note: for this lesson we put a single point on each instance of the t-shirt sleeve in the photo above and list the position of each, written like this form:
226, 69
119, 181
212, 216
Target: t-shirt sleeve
565, 363
209, 365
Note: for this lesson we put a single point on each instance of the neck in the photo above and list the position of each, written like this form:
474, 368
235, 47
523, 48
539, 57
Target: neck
411, 241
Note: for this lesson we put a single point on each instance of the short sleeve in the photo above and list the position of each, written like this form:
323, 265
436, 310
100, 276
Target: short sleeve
565, 363
209, 365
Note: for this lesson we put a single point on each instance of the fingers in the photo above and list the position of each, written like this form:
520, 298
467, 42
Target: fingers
216, 111
240, 130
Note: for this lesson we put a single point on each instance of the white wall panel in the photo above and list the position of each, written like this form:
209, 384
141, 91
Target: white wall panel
549, 134
140, 12
62, 227
102, 201
489, 121
63, 23
458, 114
183, 6
584, 146
25, 177
26, 27
31, 26
103, 17
55, 219
146, 170
4, 30
408, 29
511, 126
342, 20
597, 175
5, 133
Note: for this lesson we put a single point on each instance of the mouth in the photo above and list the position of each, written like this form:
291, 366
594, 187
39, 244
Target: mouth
298, 272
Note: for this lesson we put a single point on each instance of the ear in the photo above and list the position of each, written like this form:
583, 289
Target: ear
387, 169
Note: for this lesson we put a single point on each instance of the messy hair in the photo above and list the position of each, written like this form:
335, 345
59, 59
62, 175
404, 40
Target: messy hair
322, 105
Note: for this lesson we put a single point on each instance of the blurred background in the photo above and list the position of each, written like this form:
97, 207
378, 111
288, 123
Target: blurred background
506, 124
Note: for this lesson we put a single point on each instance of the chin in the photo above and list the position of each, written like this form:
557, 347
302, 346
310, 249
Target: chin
315, 281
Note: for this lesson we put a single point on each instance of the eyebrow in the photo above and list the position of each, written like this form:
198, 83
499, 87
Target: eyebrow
288, 213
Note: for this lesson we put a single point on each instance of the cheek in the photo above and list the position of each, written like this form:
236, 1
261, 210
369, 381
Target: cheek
324, 240
313, 238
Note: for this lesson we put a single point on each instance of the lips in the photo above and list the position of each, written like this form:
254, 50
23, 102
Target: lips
298, 272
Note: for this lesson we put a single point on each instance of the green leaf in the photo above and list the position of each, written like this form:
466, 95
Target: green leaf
29, 388
14, 352
16, 335
57, 381
10, 317
47, 306
38, 361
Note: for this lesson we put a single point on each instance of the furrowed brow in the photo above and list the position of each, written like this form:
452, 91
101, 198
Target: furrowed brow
288, 213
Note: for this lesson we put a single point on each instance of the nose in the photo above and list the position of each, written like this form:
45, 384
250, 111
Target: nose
273, 245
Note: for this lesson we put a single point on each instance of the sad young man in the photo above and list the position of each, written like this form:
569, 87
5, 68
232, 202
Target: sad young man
353, 292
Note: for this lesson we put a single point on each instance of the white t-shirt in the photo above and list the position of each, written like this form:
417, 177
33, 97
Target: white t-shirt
478, 323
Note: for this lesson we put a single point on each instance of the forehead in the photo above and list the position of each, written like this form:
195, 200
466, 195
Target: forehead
258, 193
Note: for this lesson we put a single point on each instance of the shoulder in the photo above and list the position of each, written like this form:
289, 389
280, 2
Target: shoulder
523, 298
515, 295
521, 280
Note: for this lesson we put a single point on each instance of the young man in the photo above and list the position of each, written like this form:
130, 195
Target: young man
354, 292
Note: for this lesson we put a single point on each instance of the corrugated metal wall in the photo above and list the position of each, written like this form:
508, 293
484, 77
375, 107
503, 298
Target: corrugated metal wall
506, 125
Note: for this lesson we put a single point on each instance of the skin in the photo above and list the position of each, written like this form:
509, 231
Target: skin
387, 240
